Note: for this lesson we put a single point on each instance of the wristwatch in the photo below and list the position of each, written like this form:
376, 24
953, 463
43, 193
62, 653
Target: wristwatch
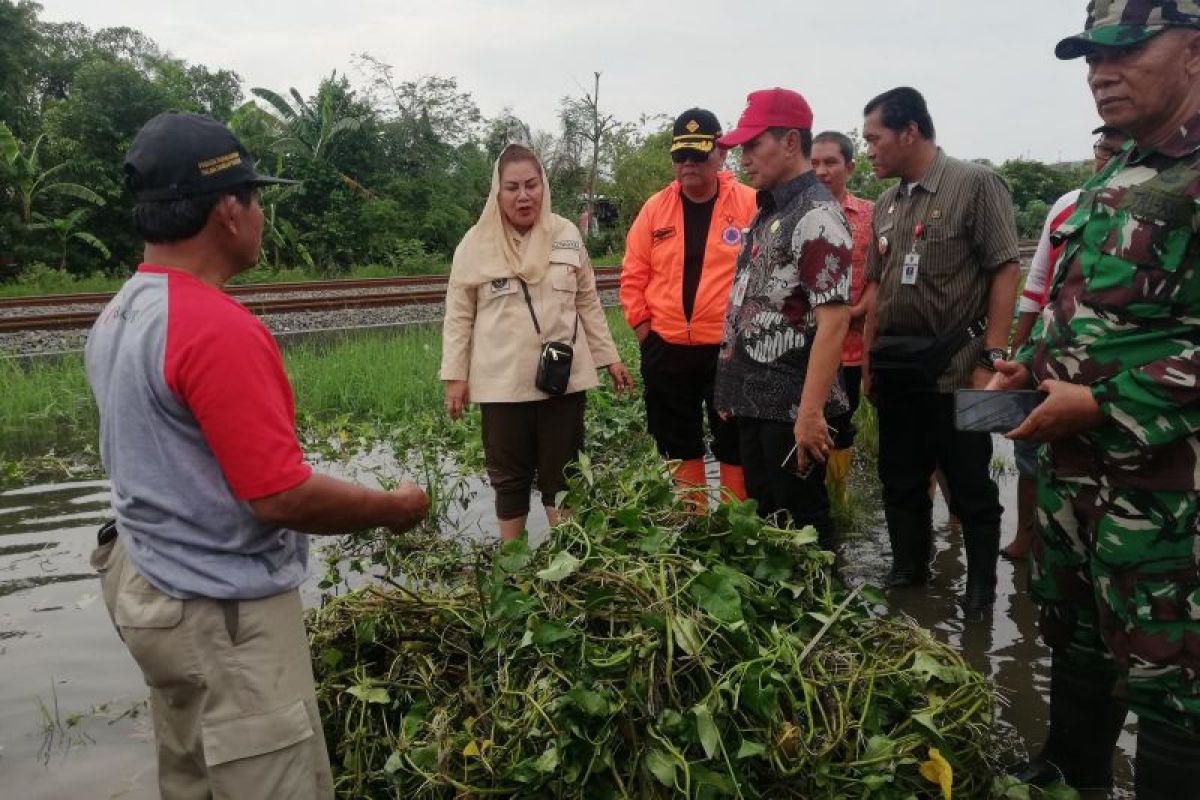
991, 355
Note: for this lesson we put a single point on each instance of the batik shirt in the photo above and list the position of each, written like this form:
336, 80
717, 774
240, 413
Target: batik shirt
795, 257
1124, 319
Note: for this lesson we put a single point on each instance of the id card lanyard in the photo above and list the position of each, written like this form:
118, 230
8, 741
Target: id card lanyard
912, 259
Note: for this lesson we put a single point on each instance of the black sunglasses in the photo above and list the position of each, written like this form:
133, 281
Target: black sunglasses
687, 154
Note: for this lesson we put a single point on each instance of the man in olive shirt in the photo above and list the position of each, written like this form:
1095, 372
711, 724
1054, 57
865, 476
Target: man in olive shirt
942, 276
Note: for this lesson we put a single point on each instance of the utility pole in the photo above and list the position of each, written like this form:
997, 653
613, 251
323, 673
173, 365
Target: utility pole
600, 126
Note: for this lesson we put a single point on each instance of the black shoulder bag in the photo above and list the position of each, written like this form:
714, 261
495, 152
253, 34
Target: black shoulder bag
916, 362
554, 363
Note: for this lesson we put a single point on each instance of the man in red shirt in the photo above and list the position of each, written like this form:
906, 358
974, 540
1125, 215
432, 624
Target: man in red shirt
212, 497
833, 162
675, 279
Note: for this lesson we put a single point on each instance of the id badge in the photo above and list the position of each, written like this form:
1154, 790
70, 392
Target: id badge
912, 266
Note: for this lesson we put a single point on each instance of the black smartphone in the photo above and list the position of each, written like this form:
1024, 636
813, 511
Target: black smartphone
994, 411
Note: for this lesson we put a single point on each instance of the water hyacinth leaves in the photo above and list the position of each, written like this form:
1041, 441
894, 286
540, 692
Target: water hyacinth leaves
642, 652
564, 564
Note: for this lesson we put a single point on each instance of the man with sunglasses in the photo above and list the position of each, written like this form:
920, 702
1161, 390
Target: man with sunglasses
675, 279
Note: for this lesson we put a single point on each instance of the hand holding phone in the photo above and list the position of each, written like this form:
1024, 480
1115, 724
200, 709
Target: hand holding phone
792, 462
994, 411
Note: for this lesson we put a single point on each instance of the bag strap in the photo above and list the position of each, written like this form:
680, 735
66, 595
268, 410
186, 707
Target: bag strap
529, 302
533, 316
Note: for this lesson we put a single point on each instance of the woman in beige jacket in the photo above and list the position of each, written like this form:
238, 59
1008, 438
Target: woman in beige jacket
519, 263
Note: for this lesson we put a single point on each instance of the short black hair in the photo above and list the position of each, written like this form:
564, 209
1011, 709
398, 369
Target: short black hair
166, 221
841, 140
900, 106
806, 137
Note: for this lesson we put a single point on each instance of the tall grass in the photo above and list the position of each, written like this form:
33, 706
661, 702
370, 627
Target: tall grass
45, 405
384, 376
387, 376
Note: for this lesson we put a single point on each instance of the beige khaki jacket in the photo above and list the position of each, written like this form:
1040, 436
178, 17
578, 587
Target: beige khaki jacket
488, 338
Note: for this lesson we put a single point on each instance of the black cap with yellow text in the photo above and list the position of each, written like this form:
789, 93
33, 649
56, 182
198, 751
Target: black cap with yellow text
177, 155
695, 129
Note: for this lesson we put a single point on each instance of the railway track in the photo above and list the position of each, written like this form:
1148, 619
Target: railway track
408, 290
379, 292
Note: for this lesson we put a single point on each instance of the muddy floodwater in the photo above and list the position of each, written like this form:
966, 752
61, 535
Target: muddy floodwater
73, 715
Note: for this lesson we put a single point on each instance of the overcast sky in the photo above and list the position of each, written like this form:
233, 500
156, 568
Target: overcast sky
986, 68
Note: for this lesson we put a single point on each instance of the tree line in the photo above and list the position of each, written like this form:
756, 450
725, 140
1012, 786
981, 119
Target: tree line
394, 168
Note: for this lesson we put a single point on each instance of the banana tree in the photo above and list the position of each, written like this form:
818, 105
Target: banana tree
279, 235
304, 127
21, 171
66, 229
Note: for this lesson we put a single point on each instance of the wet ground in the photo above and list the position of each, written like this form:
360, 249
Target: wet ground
73, 719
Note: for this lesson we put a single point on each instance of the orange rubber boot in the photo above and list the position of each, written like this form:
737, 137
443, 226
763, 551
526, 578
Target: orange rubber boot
689, 475
733, 481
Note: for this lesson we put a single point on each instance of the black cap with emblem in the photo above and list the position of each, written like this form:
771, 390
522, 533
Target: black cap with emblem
177, 155
695, 129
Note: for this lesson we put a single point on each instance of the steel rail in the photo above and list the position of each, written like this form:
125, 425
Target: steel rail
83, 319
241, 290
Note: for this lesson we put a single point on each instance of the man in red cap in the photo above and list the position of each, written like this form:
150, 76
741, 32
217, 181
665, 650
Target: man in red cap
679, 259
788, 314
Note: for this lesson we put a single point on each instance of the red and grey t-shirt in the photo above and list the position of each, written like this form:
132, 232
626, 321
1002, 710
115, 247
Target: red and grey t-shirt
196, 419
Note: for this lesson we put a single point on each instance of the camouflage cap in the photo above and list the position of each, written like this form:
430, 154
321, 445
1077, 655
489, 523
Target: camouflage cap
1118, 23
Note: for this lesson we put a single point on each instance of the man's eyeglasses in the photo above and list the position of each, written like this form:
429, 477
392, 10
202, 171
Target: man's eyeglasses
687, 154
1103, 151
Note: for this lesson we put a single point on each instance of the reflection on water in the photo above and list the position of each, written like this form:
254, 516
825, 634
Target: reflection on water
60, 656
57, 644
1004, 646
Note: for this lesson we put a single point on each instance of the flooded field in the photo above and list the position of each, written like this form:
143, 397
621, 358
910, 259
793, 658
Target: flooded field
73, 718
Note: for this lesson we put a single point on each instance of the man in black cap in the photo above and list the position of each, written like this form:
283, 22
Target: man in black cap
1116, 564
210, 491
675, 278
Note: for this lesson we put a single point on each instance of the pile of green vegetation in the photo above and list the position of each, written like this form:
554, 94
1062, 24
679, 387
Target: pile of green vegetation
643, 651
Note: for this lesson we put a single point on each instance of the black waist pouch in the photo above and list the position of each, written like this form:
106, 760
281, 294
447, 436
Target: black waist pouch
913, 362
554, 367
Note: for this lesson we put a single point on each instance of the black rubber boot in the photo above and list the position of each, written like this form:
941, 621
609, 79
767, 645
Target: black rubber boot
1085, 721
1167, 766
983, 552
911, 537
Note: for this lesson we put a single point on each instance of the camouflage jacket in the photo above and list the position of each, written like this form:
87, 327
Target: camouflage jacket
1124, 318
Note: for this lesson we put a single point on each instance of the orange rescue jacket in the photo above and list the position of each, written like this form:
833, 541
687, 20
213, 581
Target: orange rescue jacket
652, 271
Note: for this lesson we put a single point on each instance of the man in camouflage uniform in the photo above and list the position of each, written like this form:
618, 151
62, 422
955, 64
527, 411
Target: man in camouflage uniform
1117, 565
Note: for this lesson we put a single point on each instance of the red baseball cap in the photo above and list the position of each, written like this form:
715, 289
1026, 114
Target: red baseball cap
769, 108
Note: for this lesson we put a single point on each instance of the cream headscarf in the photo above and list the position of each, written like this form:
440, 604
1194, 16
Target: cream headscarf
493, 250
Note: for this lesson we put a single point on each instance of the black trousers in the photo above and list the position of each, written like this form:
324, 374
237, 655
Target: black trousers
917, 435
678, 388
844, 424
521, 441
766, 445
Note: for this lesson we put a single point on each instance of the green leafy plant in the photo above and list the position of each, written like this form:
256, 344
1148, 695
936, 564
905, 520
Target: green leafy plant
66, 230
643, 651
21, 170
